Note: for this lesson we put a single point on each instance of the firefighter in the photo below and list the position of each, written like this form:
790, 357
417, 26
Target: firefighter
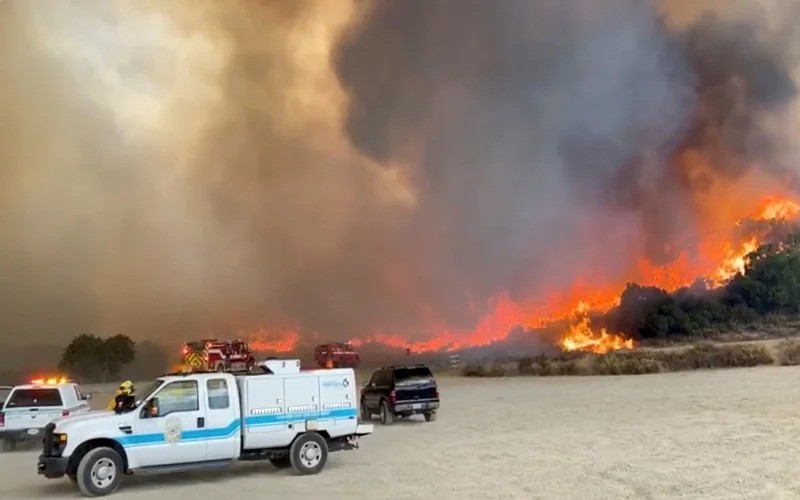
125, 400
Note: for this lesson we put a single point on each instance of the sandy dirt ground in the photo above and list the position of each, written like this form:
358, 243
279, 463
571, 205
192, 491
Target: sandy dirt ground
731, 434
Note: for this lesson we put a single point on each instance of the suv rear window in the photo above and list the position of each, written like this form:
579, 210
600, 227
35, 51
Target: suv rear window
25, 398
413, 376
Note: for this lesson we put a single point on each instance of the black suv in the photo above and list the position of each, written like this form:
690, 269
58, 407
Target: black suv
402, 391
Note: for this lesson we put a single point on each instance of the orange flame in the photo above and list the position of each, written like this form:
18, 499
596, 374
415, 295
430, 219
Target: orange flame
716, 260
582, 338
276, 342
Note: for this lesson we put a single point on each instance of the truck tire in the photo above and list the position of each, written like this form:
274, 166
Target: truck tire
280, 462
100, 472
430, 416
9, 445
387, 417
308, 453
366, 415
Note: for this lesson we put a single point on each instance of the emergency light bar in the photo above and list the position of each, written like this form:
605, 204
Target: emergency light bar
49, 381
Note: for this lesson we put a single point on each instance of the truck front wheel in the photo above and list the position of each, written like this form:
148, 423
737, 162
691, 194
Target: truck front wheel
99, 472
308, 453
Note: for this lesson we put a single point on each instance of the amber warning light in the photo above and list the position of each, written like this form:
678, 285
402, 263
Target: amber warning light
49, 381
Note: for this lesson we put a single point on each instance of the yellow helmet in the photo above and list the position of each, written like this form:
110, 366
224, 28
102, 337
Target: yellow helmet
126, 387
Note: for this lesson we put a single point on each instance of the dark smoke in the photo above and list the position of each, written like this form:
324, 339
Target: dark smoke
487, 147
521, 118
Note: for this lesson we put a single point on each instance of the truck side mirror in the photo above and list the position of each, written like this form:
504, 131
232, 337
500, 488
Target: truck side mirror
87, 396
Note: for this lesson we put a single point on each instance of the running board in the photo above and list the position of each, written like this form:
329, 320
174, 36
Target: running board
159, 469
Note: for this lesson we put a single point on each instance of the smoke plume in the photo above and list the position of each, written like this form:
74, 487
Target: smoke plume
172, 169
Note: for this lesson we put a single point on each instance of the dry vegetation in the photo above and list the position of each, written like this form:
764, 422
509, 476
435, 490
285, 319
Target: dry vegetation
641, 361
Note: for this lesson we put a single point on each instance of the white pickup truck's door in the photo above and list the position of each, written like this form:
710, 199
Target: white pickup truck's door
177, 434
223, 431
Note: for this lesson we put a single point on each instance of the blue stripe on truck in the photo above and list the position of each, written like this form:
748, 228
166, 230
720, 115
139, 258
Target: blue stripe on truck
284, 418
228, 431
191, 435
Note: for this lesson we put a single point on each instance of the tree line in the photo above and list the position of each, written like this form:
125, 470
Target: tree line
770, 284
92, 358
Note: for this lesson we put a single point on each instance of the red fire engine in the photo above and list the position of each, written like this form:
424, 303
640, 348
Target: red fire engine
336, 355
218, 355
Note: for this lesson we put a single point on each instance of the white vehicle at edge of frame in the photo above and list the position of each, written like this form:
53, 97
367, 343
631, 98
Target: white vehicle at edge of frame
290, 417
28, 408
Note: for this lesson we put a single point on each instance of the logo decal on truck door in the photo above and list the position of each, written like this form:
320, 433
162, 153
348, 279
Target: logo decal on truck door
172, 430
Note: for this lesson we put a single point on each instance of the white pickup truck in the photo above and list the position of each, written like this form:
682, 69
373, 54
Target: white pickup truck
29, 407
183, 421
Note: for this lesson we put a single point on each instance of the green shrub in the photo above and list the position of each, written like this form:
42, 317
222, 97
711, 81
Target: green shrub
701, 356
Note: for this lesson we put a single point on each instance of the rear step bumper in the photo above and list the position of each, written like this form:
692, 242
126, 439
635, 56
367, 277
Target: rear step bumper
364, 430
350, 442
22, 434
416, 406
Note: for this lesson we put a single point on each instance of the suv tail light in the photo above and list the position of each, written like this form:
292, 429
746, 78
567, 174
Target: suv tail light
2, 419
65, 413
436, 393
392, 397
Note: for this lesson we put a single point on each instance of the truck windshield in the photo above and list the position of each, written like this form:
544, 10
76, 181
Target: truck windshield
414, 376
150, 390
195, 346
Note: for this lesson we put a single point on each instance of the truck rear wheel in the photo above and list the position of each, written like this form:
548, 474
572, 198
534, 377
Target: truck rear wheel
100, 472
387, 417
430, 416
308, 453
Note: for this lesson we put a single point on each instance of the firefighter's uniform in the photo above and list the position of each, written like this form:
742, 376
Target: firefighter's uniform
125, 399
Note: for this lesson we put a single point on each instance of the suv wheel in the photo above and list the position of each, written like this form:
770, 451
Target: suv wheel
430, 416
366, 415
387, 417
